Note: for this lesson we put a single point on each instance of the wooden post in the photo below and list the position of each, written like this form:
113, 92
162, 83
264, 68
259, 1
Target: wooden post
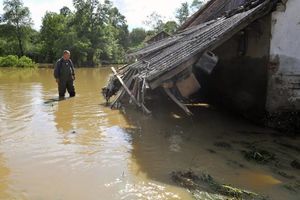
182, 106
128, 92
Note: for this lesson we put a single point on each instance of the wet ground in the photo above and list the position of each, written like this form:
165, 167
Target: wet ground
80, 149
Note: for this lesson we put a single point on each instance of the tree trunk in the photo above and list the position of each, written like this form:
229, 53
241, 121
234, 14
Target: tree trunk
19, 37
90, 58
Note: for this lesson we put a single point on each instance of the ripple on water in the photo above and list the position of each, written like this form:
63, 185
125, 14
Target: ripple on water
144, 190
141, 190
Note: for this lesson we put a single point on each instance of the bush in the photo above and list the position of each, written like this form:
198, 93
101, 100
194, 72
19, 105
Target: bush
9, 61
25, 62
14, 61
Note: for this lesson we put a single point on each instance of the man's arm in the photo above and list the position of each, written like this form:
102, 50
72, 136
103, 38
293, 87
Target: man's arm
72, 69
56, 71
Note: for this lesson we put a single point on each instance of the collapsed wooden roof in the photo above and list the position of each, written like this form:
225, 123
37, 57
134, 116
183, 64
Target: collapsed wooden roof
212, 10
175, 53
162, 60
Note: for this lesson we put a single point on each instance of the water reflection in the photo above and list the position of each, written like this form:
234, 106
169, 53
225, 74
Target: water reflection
4, 173
63, 116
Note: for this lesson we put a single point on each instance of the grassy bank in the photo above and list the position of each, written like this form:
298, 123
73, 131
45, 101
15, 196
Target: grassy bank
15, 61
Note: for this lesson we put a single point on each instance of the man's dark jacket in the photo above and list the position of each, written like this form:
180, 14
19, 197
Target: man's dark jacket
64, 70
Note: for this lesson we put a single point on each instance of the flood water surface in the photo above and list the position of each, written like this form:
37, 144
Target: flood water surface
79, 148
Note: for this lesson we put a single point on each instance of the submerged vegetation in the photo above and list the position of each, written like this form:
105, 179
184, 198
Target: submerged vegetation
204, 186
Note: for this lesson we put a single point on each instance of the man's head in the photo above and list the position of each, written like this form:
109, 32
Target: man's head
66, 55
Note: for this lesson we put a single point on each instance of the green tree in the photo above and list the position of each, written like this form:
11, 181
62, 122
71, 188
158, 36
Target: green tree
137, 36
34, 46
182, 13
8, 42
117, 33
53, 28
93, 32
89, 25
102, 29
19, 16
65, 11
170, 27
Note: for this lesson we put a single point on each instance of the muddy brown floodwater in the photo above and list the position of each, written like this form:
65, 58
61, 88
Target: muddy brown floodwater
80, 149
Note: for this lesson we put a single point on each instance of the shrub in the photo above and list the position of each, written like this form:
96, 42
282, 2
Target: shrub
14, 61
9, 61
25, 62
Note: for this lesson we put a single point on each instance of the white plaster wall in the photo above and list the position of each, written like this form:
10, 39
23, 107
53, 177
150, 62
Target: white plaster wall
284, 70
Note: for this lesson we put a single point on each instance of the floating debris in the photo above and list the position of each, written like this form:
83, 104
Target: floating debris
259, 156
205, 183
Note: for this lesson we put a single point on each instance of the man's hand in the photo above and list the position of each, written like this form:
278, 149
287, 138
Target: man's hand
57, 81
73, 77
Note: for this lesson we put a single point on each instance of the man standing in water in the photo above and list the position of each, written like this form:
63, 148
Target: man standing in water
65, 75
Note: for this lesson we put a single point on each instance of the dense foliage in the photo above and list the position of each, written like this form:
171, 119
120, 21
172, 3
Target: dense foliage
15, 61
94, 32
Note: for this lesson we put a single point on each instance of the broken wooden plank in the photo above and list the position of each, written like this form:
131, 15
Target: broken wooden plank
134, 90
143, 90
146, 110
128, 91
181, 105
121, 93
125, 87
118, 97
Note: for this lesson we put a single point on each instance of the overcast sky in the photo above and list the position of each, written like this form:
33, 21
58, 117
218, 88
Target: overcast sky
135, 11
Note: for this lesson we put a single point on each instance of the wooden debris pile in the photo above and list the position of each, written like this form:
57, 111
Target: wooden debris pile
126, 81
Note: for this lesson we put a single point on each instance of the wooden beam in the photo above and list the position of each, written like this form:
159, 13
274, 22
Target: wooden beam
128, 91
124, 86
119, 96
181, 105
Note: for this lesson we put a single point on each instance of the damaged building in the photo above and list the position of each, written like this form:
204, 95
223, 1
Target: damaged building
242, 54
